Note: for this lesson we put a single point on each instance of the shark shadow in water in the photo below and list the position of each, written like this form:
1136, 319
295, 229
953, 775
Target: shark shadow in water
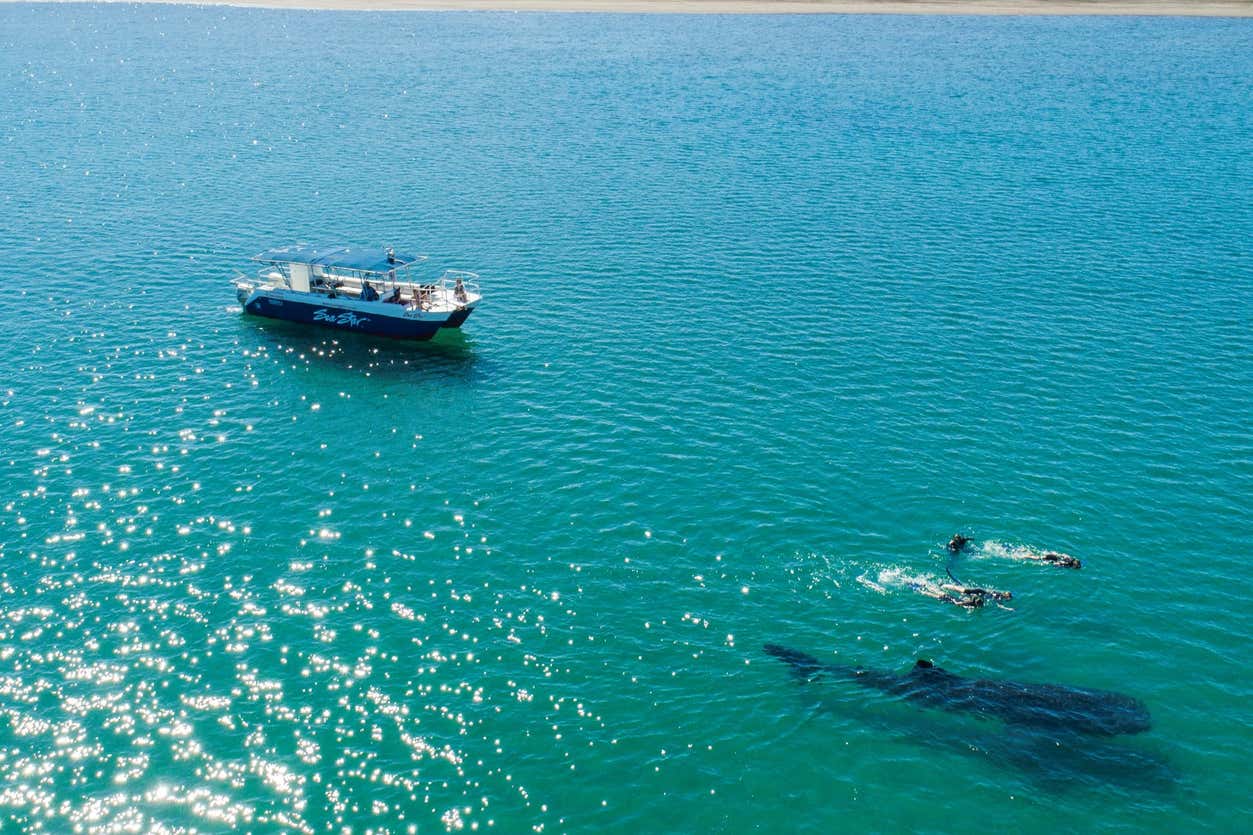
1052, 707
1049, 761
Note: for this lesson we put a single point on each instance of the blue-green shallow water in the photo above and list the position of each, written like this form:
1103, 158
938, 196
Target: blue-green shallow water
774, 306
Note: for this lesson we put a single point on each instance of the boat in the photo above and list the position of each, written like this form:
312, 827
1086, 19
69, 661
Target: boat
365, 289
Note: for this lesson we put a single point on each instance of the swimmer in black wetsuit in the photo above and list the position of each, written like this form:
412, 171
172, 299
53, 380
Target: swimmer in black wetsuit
1056, 558
960, 588
941, 593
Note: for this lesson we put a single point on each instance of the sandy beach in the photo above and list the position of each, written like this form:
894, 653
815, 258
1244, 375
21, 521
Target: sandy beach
1178, 8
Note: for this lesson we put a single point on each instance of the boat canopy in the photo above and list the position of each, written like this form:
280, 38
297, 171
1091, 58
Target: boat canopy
337, 256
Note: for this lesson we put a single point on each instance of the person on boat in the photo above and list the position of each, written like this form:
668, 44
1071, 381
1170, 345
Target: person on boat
394, 298
326, 284
459, 291
368, 293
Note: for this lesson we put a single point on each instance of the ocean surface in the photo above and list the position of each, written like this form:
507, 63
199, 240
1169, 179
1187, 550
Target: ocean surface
774, 306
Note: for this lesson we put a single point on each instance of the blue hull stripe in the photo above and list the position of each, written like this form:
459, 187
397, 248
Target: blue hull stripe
349, 320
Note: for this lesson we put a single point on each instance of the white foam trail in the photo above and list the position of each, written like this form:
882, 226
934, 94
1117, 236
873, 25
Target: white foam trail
901, 579
871, 584
1006, 550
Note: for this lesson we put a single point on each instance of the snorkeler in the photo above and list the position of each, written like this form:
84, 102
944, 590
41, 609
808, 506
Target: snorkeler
958, 543
958, 587
965, 601
1057, 558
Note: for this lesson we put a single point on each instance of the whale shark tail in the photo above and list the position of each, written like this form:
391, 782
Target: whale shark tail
802, 665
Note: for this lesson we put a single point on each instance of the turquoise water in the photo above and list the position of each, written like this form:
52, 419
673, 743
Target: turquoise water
774, 306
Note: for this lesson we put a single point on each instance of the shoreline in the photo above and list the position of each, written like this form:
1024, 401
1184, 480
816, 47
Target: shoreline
1145, 8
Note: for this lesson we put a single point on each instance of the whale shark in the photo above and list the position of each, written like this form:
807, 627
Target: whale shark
1049, 706
1046, 760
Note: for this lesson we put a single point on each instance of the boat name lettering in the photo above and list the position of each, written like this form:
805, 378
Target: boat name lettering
345, 317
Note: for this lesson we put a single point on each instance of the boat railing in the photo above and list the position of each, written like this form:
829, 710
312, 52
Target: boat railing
454, 287
269, 272
280, 276
459, 285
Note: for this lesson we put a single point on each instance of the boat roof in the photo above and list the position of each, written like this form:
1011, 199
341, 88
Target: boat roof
372, 259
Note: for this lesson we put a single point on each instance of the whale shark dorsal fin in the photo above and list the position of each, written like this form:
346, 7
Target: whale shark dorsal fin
923, 664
